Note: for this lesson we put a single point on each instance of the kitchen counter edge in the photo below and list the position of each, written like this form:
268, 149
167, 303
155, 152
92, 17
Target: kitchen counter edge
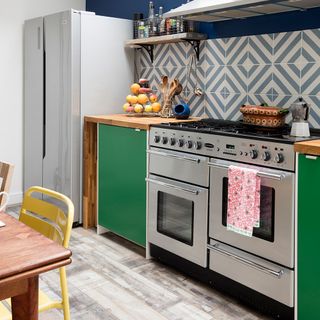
311, 147
123, 120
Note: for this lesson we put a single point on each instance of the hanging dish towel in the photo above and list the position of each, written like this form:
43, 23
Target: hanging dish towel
243, 200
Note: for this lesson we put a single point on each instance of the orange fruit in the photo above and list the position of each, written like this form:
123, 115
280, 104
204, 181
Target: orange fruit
133, 99
156, 107
135, 88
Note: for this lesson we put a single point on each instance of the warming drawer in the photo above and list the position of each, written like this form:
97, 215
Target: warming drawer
265, 277
179, 166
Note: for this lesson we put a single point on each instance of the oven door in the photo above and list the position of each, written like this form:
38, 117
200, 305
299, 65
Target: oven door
177, 218
274, 239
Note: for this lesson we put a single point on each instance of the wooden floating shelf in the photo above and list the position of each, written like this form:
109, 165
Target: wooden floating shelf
193, 38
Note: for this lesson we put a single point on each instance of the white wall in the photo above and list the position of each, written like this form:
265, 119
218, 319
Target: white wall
12, 15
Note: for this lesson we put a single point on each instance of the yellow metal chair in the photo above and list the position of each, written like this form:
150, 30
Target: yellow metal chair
50, 213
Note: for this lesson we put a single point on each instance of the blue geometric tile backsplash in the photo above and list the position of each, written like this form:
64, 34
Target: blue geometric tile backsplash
273, 68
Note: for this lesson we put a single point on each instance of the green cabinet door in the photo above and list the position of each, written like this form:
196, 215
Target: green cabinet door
122, 187
308, 238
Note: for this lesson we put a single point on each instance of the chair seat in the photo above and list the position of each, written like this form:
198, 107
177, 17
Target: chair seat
45, 303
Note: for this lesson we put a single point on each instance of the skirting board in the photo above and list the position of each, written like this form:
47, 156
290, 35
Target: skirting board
15, 198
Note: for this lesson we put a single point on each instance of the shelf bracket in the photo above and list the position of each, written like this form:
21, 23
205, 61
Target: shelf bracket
196, 46
149, 49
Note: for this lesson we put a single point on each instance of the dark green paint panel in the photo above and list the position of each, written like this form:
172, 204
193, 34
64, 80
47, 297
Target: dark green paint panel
122, 187
308, 238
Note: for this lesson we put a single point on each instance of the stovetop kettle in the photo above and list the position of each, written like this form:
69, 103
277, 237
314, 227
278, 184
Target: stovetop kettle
300, 115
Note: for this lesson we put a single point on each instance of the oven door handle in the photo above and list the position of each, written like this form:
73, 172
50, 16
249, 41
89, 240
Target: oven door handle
164, 184
261, 174
175, 156
250, 263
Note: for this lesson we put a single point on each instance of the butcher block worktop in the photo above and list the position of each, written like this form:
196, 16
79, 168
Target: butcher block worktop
90, 161
308, 147
124, 120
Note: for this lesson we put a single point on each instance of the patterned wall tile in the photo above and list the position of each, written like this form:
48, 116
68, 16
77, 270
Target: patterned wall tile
236, 79
286, 79
196, 104
257, 99
195, 77
216, 79
215, 52
237, 50
287, 47
314, 115
260, 79
310, 79
311, 45
261, 49
215, 105
174, 55
144, 58
233, 102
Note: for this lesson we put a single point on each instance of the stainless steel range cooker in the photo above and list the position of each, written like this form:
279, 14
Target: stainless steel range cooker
187, 207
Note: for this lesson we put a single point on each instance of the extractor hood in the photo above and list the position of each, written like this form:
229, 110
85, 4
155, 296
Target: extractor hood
217, 10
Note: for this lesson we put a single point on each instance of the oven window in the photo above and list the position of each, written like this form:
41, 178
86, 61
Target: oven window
267, 205
175, 217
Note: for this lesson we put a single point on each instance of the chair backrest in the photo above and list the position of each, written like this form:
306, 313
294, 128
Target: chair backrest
6, 171
48, 212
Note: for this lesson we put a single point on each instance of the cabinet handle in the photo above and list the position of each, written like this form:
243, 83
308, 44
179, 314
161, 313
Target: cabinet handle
250, 263
311, 157
261, 174
168, 185
175, 156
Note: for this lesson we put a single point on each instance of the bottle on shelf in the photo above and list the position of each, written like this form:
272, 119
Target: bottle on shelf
141, 30
152, 27
162, 22
136, 22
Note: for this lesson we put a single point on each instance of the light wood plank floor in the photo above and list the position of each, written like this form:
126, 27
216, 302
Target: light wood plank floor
109, 279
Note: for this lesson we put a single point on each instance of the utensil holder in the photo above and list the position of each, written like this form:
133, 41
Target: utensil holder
166, 111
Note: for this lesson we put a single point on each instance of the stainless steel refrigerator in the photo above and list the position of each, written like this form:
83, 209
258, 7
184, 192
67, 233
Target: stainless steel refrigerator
75, 64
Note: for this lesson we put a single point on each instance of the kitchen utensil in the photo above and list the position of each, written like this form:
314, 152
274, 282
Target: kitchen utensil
164, 87
192, 67
264, 116
300, 114
179, 89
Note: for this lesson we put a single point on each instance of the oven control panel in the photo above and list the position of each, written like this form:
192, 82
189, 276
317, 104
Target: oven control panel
257, 152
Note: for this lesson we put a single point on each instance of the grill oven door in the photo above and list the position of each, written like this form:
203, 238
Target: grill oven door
274, 239
177, 218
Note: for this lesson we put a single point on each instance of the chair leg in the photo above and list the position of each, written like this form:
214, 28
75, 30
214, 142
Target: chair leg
64, 293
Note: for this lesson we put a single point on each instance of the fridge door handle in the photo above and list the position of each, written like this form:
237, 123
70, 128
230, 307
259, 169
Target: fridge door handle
44, 107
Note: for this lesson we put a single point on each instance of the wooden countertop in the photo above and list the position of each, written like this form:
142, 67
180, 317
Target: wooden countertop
123, 120
308, 147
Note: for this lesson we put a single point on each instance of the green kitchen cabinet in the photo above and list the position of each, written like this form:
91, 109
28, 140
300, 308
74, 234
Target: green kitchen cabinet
121, 181
308, 237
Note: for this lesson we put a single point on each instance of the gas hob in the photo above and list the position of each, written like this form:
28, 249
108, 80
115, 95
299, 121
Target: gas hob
230, 140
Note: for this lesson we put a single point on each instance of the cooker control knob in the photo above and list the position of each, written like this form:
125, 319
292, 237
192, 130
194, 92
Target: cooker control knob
189, 144
266, 156
279, 158
253, 154
198, 145
164, 140
156, 139
172, 141
180, 143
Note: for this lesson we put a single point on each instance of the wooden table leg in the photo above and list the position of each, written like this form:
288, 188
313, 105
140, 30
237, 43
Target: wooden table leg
25, 306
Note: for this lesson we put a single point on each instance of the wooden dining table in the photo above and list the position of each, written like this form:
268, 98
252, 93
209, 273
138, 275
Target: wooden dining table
24, 255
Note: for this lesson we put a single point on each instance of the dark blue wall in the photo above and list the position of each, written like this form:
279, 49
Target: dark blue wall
297, 20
